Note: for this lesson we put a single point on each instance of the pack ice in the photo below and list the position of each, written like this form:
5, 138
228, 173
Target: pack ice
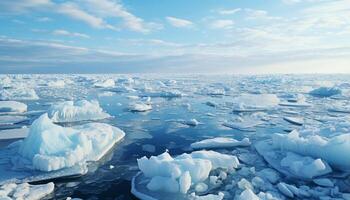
19, 93
25, 191
69, 111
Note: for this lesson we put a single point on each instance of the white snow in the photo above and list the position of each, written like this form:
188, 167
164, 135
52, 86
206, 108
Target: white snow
332, 150
220, 142
325, 92
20, 93
179, 174
69, 111
12, 106
109, 83
25, 191
255, 102
51, 147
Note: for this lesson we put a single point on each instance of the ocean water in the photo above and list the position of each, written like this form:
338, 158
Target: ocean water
163, 127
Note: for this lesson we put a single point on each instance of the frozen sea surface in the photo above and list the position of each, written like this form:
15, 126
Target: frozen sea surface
273, 105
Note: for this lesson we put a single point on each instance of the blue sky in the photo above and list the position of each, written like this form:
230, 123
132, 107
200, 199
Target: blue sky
182, 36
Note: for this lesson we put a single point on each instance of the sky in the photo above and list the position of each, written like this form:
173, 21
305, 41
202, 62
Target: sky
175, 36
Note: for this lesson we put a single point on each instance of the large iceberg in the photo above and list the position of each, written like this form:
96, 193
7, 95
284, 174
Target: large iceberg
51, 147
69, 111
12, 106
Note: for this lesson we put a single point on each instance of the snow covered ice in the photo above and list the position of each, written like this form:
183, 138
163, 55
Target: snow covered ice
70, 111
12, 106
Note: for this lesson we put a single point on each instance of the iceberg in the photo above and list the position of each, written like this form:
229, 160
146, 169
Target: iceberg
164, 174
50, 147
325, 92
69, 111
220, 142
255, 102
105, 83
332, 150
12, 107
26, 191
20, 93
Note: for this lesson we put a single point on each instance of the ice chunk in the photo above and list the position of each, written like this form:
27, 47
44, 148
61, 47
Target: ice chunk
26, 191
305, 166
248, 194
105, 83
179, 174
333, 150
294, 120
220, 142
246, 124
255, 102
12, 106
192, 122
20, 93
140, 107
69, 111
51, 147
325, 92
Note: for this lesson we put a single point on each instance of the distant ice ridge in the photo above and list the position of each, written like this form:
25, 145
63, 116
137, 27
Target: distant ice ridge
20, 93
70, 111
184, 172
12, 106
51, 147
325, 92
25, 191
333, 150
255, 102
105, 83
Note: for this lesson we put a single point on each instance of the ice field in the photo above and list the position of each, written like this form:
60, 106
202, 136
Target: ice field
169, 137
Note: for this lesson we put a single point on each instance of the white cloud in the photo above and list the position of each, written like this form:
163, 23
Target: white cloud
107, 8
229, 12
222, 24
71, 34
180, 23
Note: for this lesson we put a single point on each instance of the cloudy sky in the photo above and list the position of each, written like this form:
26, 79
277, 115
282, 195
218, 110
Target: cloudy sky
181, 36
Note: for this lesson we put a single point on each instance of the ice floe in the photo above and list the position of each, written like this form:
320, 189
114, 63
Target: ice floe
109, 83
26, 191
70, 111
220, 142
11, 119
325, 92
140, 107
16, 133
20, 93
12, 107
